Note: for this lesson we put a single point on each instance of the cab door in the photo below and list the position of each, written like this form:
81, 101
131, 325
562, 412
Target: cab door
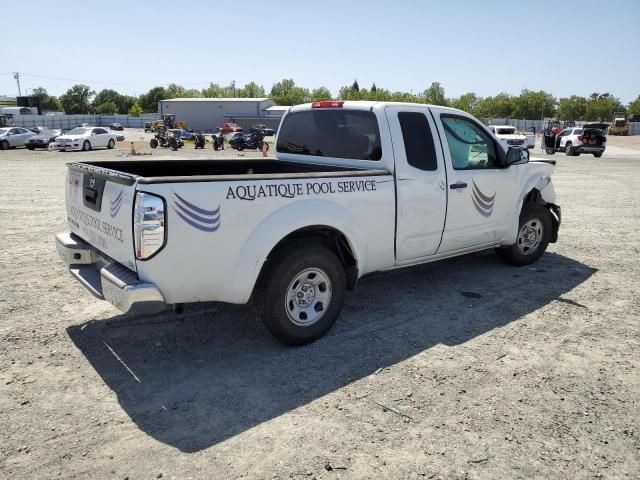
482, 192
421, 194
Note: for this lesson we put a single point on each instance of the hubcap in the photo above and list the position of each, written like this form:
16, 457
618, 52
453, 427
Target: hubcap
308, 297
530, 236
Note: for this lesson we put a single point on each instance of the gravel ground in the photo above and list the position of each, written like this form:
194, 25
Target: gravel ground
462, 369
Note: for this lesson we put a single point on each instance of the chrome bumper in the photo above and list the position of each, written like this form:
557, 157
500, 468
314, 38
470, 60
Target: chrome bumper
106, 279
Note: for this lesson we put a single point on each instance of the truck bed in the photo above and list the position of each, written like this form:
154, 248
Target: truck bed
169, 171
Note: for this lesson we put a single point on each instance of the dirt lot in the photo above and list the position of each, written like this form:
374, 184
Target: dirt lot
462, 369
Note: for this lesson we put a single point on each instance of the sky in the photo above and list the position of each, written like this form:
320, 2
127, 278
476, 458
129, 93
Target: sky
487, 47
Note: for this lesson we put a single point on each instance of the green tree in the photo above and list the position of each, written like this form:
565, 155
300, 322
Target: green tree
435, 95
107, 108
149, 101
374, 88
47, 102
634, 107
136, 110
251, 90
533, 105
320, 93
572, 108
178, 91
467, 102
77, 99
500, 106
216, 91
603, 107
286, 92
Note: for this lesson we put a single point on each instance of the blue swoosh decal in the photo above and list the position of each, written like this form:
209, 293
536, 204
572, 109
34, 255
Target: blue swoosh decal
192, 215
196, 225
196, 208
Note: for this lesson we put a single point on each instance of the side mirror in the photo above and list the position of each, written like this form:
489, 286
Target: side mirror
517, 156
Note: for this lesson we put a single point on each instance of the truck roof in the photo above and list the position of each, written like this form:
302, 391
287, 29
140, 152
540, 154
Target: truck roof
365, 105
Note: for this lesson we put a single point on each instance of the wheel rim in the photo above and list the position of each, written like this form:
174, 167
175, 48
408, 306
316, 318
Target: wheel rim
308, 297
111, 143
530, 236
568, 148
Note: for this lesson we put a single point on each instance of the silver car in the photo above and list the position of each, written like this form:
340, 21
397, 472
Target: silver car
11, 137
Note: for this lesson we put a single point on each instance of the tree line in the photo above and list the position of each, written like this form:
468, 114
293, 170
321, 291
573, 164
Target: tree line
529, 104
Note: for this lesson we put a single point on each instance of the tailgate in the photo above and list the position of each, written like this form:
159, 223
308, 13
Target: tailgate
100, 209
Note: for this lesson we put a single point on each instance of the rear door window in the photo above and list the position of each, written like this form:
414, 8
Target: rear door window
351, 134
418, 140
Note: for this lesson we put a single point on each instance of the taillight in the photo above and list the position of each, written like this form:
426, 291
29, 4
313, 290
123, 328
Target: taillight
148, 225
328, 104
579, 138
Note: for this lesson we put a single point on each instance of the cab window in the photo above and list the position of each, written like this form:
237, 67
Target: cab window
470, 146
418, 141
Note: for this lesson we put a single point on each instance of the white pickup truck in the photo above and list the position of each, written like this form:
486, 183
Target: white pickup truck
357, 187
510, 137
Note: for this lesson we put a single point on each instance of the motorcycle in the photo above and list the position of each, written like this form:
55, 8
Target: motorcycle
199, 139
166, 140
250, 141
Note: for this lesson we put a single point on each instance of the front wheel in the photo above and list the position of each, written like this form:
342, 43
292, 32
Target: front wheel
4, 145
534, 234
597, 154
300, 293
111, 145
86, 146
550, 151
153, 143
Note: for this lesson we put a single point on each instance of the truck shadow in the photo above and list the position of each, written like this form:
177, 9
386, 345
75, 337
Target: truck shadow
194, 380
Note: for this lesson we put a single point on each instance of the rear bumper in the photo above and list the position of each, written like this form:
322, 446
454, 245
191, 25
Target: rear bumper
107, 279
590, 148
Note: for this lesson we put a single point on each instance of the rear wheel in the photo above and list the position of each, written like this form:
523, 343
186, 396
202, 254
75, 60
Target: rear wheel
534, 233
550, 151
597, 154
300, 293
568, 149
111, 145
86, 146
153, 143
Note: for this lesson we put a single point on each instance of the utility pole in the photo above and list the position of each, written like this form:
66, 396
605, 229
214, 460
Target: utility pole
16, 75
233, 82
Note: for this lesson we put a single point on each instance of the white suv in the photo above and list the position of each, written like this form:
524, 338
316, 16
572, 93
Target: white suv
576, 140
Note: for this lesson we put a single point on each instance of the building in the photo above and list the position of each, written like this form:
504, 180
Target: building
207, 114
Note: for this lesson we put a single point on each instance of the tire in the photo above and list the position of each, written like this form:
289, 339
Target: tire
550, 151
4, 145
153, 143
240, 148
31, 148
309, 272
86, 146
111, 145
568, 150
534, 234
266, 146
598, 155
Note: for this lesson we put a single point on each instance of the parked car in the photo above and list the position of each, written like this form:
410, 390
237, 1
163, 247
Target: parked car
85, 138
182, 133
576, 140
230, 128
148, 127
37, 129
12, 137
355, 188
264, 129
509, 136
42, 139
633, 118
116, 126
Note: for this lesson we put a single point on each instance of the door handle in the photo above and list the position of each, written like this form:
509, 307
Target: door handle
457, 185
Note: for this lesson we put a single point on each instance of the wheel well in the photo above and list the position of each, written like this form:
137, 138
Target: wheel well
330, 238
535, 197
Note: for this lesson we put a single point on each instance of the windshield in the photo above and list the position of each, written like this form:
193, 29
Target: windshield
78, 131
3, 131
505, 131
